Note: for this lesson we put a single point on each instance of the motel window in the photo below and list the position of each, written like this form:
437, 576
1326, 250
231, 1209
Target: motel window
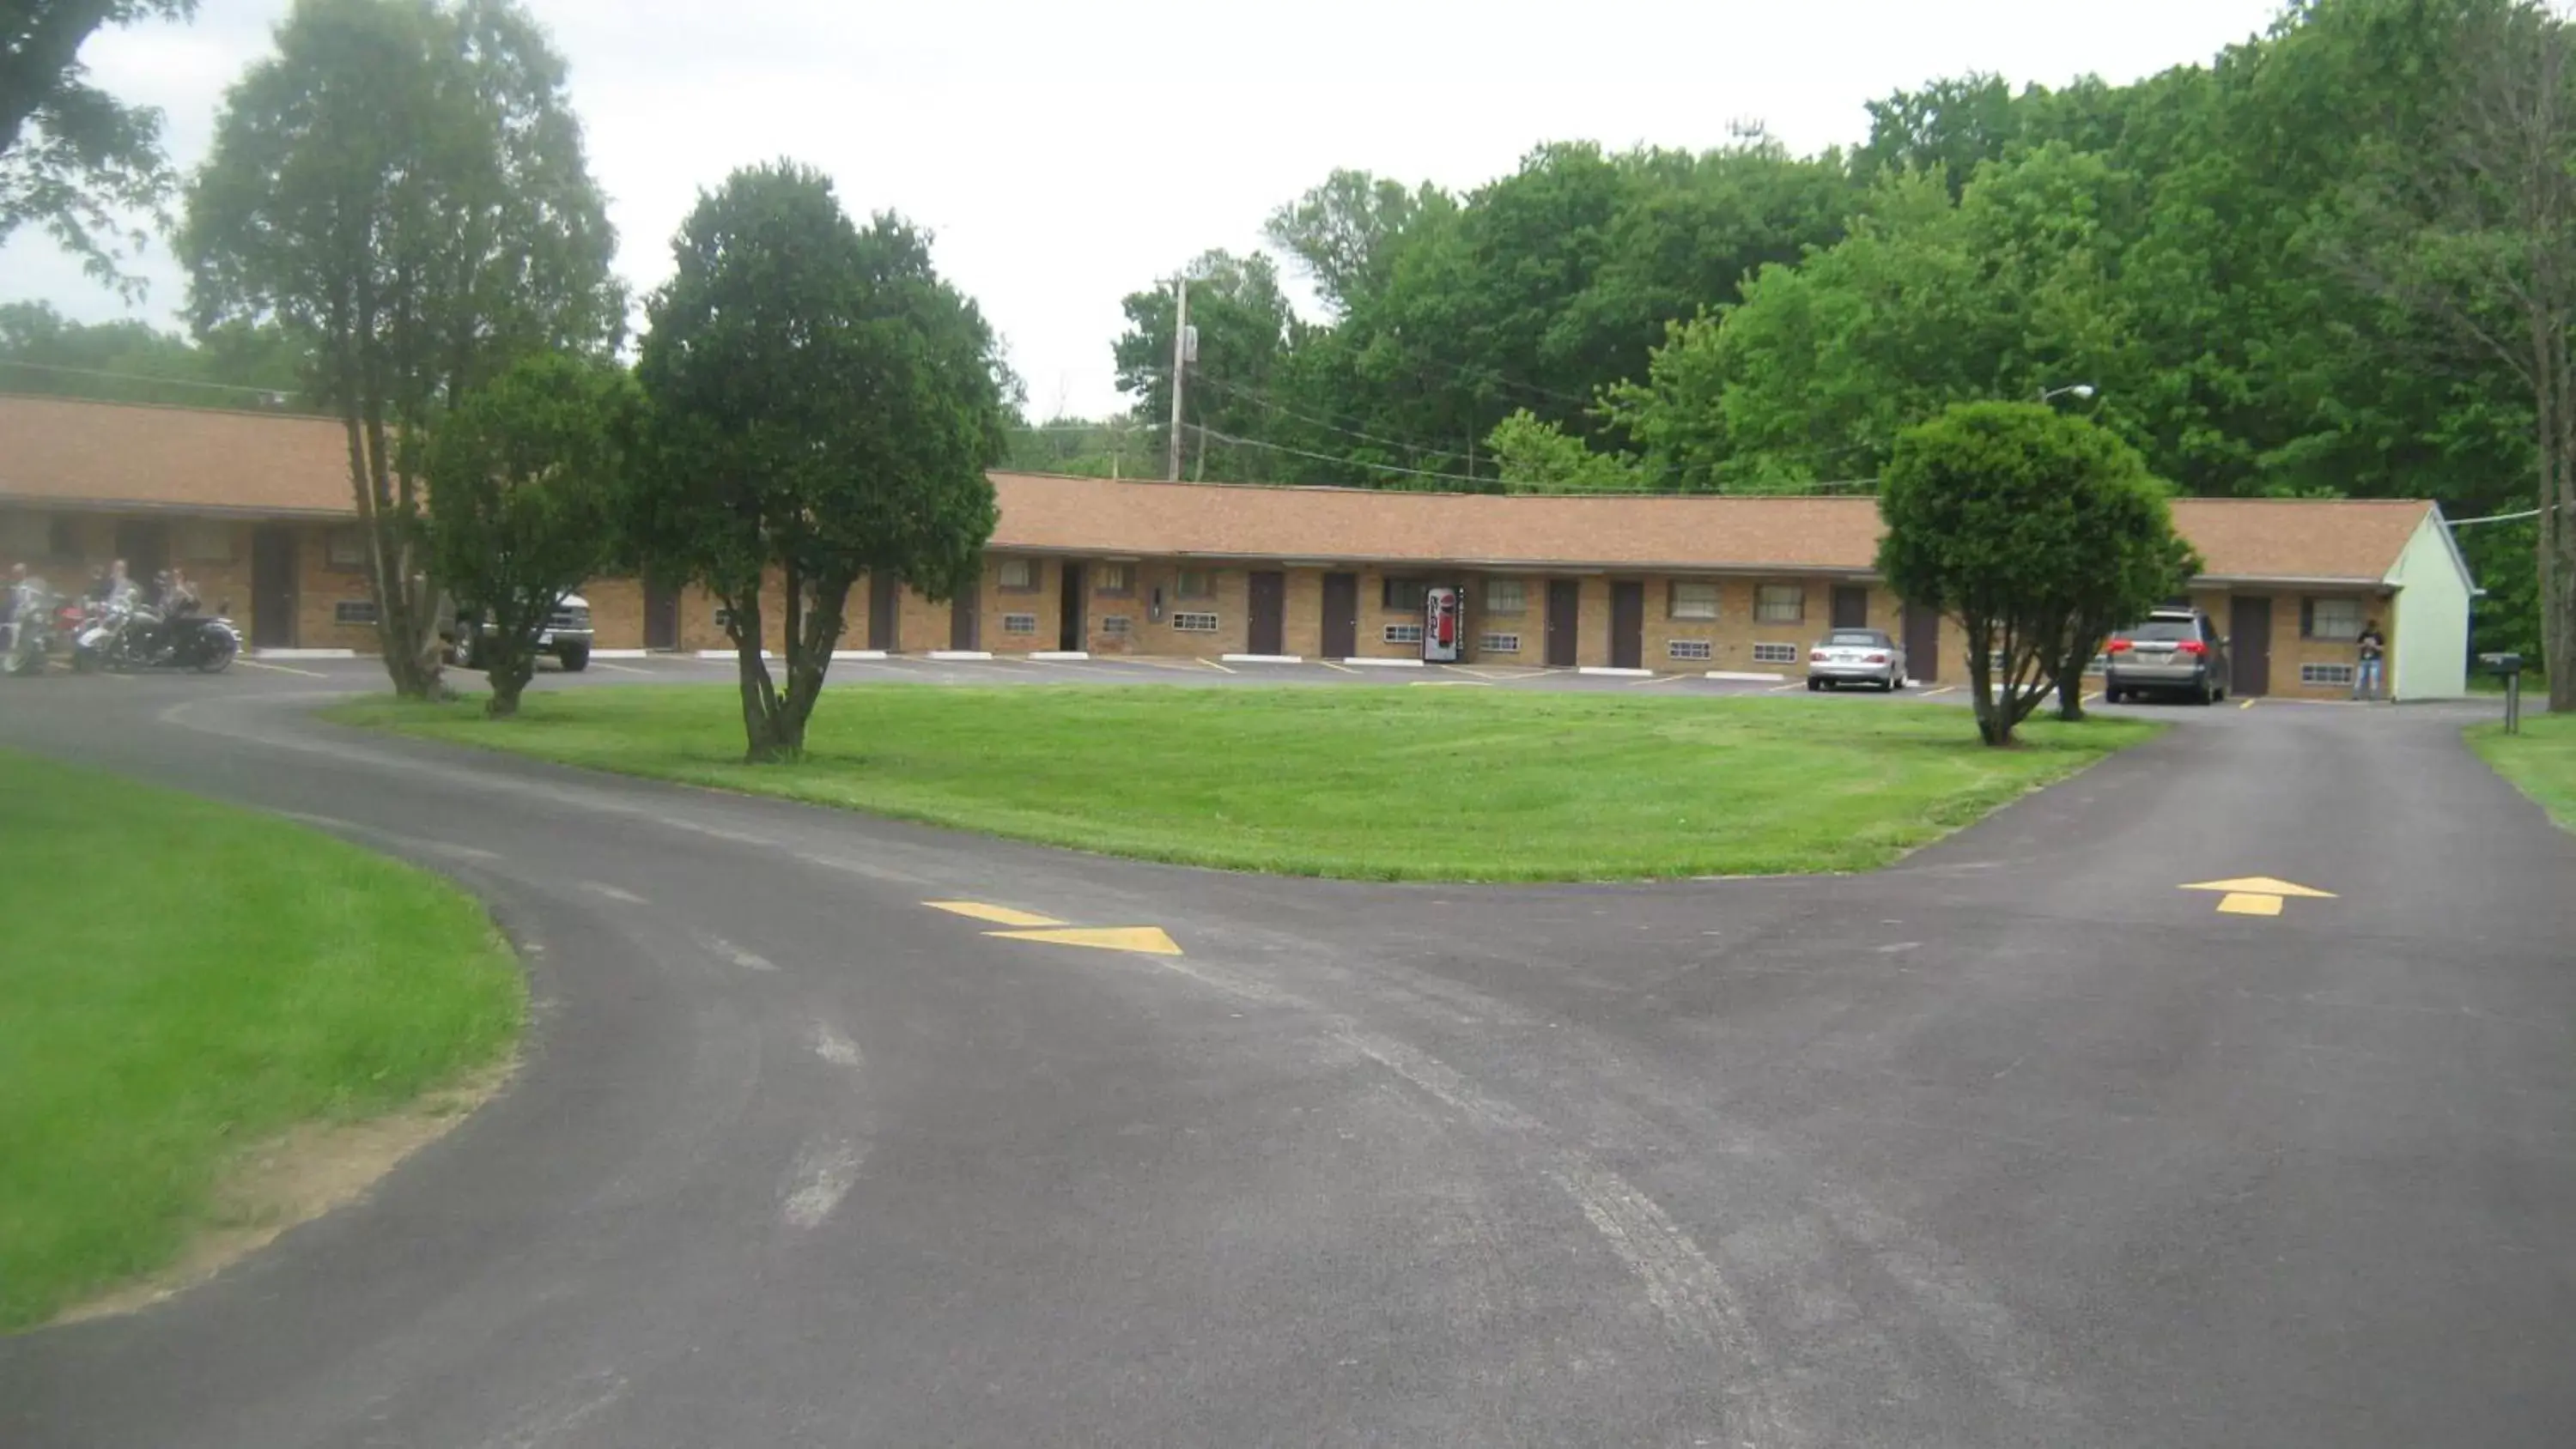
205, 541
354, 612
1780, 604
1775, 653
2336, 619
1692, 599
1017, 575
1498, 643
1406, 596
1688, 649
1195, 584
24, 536
1019, 623
1194, 623
2337, 676
1506, 596
1402, 634
1113, 578
1116, 626
346, 548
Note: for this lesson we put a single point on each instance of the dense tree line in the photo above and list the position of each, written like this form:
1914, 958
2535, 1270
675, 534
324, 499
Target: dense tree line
2268, 269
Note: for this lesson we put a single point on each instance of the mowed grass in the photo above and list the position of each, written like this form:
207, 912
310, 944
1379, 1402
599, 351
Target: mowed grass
2541, 761
179, 980
1386, 784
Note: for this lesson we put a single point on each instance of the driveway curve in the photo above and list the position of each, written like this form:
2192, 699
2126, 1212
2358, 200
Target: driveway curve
2018, 1143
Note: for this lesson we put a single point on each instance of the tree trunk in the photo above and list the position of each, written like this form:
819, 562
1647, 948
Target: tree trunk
2557, 549
2070, 691
1994, 721
509, 677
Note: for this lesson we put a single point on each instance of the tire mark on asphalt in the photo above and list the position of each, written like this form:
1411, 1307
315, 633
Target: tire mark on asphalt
835, 1048
822, 1175
550, 1424
1696, 1302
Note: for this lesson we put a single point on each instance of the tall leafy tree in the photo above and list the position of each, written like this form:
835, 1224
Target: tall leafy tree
74, 159
2029, 528
1346, 231
1945, 128
1244, 327
524, 475
820, 405
2470, 223
240, 365
402, 187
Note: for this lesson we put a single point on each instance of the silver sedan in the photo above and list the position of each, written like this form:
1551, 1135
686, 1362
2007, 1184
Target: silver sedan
1856, 656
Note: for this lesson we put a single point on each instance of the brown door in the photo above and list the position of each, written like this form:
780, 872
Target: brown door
2249, 644
1269, 604
272, 588
885, 611
1922, 644
1564, 618
1627, 625
145, 547
1851, 607
1341, 615
661, 615
1072, 629
965, 617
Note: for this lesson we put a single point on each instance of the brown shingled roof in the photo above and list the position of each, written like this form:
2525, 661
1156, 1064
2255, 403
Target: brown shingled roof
129, 455
116, 455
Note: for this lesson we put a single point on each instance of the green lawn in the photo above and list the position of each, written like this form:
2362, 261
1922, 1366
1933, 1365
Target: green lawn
1394, 783
2541, 760
179, 980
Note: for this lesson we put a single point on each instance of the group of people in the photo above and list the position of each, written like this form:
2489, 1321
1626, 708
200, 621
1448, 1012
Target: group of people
172, 596
112, 587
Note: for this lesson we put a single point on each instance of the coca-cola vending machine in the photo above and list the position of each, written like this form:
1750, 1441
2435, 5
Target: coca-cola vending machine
1444, 623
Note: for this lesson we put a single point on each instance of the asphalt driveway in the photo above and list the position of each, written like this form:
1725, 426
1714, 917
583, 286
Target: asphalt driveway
2018, 1143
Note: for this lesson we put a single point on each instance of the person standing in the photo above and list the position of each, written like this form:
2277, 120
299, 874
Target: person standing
2368, 675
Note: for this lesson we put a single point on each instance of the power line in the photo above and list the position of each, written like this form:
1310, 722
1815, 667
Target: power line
1284, 410
1487, 483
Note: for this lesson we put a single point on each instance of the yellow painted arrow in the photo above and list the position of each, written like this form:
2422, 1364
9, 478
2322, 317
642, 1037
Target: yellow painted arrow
2256, 895
1143, 940
998, 915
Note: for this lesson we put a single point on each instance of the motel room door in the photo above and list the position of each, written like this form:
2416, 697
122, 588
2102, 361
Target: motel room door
1564, 620
885, 611
1922, 645
272, 588
1341, 615
1627, 625
661, 615
2249, 646
1269, 605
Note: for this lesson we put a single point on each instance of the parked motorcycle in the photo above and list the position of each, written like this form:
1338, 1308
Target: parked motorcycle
124, 637
27, 637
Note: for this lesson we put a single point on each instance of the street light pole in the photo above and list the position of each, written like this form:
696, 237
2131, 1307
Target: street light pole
2074, 389
1180, 366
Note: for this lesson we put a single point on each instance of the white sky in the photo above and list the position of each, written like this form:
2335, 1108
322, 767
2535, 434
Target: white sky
1067, 154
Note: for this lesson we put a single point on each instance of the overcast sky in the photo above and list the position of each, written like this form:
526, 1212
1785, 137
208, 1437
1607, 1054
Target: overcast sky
1067, 154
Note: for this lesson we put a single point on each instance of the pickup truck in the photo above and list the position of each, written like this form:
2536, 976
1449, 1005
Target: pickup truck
566, 635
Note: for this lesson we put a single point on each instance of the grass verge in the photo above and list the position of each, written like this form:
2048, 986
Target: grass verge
1388, 784
2541, 761
182, 983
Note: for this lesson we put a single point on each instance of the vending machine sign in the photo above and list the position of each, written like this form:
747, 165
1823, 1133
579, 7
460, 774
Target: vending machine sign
1444, 623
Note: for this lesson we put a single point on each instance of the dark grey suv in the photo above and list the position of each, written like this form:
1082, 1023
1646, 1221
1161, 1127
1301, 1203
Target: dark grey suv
2172, 651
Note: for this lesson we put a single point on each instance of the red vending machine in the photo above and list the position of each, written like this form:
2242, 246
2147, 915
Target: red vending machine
1444, 623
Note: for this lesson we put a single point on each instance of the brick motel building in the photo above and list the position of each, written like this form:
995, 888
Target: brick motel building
256, 508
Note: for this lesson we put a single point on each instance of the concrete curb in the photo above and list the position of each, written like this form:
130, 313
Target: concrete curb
1060, 656
953, 656
1383, 663
1616, 673
1261, 659
304, 654
621, 654
1746, 676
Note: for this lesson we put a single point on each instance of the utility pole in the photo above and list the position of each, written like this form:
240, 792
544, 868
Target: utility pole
1180, 365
